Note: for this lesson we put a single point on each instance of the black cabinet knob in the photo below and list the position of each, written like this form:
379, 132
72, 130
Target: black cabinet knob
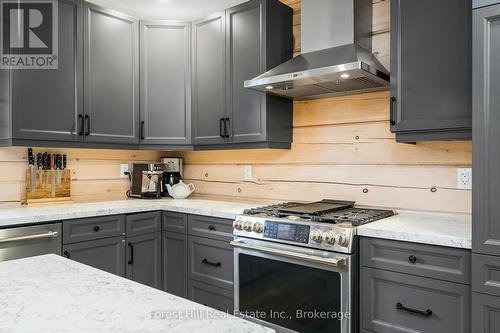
66, 254
97, 228
412, 259
212, 228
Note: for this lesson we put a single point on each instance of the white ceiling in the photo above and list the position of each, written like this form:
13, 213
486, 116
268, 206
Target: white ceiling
180, 10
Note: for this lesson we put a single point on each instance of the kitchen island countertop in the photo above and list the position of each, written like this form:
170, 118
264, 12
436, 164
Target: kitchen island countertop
53, 294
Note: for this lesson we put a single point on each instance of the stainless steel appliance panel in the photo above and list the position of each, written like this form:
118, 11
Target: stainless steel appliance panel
30, 241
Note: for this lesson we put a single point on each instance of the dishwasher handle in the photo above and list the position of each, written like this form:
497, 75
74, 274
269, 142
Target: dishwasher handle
335, 262
50, 234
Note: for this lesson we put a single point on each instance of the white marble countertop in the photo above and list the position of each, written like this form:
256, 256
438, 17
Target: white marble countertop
217, 207
53, 294
453, 230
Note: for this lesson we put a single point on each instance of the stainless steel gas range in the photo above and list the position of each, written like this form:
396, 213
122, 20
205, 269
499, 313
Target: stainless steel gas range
296, 265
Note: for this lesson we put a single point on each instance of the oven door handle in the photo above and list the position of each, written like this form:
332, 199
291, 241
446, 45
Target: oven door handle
335, 262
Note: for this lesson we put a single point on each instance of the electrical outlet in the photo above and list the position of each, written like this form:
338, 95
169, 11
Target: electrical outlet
247, 173
464, 178
123, 170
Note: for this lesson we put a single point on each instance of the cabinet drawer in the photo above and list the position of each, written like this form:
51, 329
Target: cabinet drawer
437, 262
143, 223
211, 261
382, 292
211, 227
79, 230
217, 298
176, 222
486, 274
485, 313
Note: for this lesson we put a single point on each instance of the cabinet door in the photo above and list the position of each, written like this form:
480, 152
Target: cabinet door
245, 59
208, 79
105, 254
165, 83
144, 259
46, 103
485, 313
486, 159
175, 263
431, 65
111, 67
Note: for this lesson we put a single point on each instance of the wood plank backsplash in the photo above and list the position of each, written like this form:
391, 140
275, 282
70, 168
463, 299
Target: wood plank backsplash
343, 149
95, 173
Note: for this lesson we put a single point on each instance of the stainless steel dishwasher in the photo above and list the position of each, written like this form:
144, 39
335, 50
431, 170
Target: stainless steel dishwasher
21, 242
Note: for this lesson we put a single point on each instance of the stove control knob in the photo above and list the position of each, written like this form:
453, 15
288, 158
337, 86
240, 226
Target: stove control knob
238, 224
258, 228
317, 236
330, 237
247, 226
341, 239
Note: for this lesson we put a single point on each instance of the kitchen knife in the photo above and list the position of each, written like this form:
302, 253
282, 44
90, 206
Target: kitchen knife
39, 165
58, 169
45, 163
52, 175
64, 164
31, 164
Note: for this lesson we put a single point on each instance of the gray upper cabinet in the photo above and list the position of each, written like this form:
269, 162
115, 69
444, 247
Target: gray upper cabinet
486, 103
165, 83
111, 76
431, 70
208, 79
45, 104
257, 37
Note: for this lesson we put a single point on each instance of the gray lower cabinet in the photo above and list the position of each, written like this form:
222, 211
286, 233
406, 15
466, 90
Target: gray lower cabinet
214, 297
485, 313
165, 83
431, 89
486, 102
46, 104
144, 259
174, 264
394, 302
210, 261
111, 76
91, 228
106, 254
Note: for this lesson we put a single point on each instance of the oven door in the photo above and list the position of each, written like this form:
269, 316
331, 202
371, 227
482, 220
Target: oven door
293, 289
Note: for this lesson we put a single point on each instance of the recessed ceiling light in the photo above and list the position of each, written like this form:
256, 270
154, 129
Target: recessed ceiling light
344, 76
269, 87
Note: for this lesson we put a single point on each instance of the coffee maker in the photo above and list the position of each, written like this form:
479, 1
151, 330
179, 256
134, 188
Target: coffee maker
146, 181
172, 172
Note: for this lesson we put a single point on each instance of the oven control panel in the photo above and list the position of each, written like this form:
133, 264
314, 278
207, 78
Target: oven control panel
326, 236
287, 231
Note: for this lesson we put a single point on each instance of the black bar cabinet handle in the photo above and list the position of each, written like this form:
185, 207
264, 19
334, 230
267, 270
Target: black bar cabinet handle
226, 131
87, 118
221, 126
81, 125
142, 130
66, 254
131, 255
215, 264
391, 115
425, 313
412, 259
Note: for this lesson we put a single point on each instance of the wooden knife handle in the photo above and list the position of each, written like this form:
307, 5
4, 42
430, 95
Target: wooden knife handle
52, 160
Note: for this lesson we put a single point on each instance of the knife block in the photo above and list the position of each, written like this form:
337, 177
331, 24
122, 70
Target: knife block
43, 187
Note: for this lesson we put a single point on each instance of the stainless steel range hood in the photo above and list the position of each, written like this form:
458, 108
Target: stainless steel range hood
336, 54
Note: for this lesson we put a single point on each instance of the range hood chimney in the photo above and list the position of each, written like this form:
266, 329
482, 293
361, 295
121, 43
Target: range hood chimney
336, 59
